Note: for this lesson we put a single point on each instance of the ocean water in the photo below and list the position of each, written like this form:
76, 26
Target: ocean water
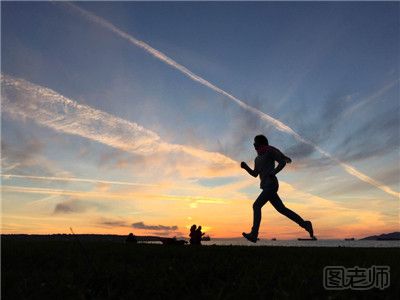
214, 241
296, 243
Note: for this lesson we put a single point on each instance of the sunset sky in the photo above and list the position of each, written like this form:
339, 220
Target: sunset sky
126, 117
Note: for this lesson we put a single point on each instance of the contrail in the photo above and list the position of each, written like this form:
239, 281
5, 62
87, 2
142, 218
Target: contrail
75, 179
87, 180
110, 196
275, 122
50, 109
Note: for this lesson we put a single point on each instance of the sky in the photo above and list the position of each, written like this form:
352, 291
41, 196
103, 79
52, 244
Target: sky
123, 117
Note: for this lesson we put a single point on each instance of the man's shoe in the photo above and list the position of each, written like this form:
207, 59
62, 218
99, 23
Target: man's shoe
250, 237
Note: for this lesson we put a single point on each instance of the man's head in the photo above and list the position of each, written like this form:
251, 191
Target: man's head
260, 140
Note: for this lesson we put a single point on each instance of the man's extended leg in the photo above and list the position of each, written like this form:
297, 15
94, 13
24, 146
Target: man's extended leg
280, 207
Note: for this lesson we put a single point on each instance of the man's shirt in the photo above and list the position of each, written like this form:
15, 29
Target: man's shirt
264, 165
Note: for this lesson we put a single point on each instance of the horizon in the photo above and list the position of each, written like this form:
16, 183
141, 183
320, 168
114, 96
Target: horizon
187, 237
124, 117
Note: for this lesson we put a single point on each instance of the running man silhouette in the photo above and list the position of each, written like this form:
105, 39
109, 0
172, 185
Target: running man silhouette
264, 165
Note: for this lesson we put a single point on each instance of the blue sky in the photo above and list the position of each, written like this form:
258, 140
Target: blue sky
330, 71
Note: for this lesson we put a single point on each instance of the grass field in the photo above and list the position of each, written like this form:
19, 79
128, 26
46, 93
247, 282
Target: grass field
109, 270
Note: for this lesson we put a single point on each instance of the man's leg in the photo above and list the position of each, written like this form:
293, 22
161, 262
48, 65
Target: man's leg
280, 207
257, 205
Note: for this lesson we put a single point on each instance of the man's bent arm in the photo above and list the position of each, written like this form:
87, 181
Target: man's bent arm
253, 173
280, 158
281, 165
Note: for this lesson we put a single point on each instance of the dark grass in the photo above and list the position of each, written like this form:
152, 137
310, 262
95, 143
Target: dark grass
61, 270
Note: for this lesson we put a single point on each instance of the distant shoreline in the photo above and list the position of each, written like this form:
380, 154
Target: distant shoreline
235, 242
105, 236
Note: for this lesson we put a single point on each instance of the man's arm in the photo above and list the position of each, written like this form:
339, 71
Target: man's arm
279, 154
253, 173
281, 159
281, 165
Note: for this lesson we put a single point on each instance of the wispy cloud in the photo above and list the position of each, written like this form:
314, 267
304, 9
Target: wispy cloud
371, 98
96, 195
279, 125
25, 100
104, 185
141, 225
27, 157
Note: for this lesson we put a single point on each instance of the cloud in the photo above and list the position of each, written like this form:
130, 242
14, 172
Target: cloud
62, 114
278, 125
244, 128
388, 86
71, 206
388, 176
25, 153
115, 158
299, 151
26, 156
368, 138
11, 159
141, 225
65, 208
24, 100
377, 136
114, 223
118, 196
